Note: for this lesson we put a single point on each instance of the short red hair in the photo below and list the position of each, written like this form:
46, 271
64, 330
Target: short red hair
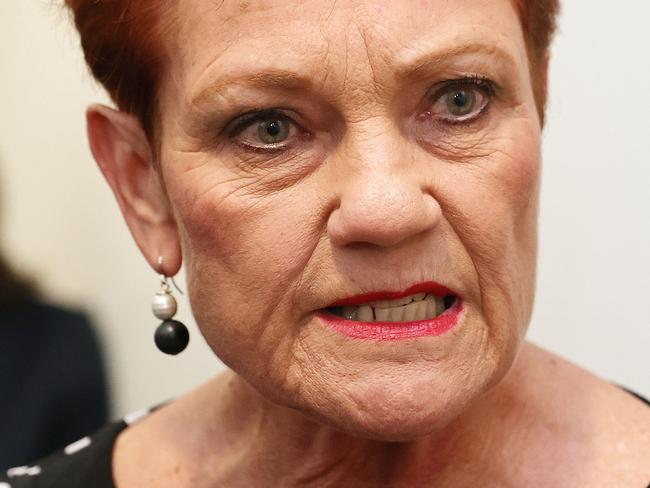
122, 42
538, 21
123, 45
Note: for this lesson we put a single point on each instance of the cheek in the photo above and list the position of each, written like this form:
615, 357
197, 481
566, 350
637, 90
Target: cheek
244, 254
492, 206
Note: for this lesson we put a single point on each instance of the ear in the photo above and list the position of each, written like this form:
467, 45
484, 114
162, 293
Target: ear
124, 155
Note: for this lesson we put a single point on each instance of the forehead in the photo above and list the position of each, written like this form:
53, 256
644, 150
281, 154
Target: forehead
331, 40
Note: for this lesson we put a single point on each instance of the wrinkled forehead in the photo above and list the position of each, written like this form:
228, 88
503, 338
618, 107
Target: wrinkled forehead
334, 40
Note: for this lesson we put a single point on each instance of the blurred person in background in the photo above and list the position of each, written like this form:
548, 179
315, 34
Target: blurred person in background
52, 377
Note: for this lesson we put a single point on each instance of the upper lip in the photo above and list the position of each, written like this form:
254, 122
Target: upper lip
430, 287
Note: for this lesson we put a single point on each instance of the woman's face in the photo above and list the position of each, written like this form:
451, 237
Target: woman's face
314, 151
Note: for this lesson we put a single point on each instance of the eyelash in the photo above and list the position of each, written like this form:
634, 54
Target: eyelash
248, 118
473, 79
482, 83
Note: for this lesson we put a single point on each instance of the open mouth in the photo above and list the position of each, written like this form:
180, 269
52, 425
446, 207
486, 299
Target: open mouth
424, 309
411, 308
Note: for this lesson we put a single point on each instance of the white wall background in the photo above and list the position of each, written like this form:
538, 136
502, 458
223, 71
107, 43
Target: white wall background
60, 223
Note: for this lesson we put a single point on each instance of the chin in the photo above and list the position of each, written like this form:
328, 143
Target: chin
401, 413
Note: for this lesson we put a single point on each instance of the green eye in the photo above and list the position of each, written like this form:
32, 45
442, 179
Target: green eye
461, 102
262, 130
273, 131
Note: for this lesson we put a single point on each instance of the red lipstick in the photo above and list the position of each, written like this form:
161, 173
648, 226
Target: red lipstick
390, 331
430, 287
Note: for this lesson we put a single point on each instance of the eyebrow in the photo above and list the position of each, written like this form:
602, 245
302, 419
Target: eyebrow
273, 78
418, 66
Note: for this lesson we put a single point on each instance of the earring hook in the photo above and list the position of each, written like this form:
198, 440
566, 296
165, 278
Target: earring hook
164, 279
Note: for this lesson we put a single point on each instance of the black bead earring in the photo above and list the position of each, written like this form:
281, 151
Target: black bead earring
171, 336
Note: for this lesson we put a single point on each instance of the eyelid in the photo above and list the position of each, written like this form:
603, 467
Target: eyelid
475, 81
244, 120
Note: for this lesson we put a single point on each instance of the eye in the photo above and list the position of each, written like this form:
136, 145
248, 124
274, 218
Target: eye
273, 131
268, 129
460, 101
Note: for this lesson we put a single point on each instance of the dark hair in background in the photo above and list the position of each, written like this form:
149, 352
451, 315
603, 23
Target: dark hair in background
15, 290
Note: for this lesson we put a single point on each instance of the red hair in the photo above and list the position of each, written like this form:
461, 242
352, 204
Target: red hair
538, 21
123, 44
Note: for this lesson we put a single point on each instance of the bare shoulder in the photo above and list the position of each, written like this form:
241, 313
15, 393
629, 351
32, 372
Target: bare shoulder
576, 384
605, 425
145, 453
161, 450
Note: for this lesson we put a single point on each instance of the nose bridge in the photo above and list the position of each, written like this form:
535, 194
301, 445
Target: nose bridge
382, 195
375, 145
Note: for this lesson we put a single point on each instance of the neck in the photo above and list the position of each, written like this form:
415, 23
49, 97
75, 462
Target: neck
274, 443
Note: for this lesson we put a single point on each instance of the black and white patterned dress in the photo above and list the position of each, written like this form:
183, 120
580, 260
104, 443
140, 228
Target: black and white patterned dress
86, 463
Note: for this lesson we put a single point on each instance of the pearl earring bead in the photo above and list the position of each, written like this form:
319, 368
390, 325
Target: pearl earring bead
163, 305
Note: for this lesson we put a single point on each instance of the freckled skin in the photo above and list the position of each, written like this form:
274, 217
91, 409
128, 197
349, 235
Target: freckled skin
370, 193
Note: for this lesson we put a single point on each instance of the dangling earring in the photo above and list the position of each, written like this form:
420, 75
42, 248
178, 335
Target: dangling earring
171, 336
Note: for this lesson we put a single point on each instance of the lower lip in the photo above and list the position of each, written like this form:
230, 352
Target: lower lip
395, 331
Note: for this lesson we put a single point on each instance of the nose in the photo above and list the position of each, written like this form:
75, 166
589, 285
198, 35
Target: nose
383, 201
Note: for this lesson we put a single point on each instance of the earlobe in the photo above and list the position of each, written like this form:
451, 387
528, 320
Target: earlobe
124, 155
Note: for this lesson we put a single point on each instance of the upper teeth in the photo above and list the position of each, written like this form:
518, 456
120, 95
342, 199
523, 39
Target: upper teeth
414, 307
399, 302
